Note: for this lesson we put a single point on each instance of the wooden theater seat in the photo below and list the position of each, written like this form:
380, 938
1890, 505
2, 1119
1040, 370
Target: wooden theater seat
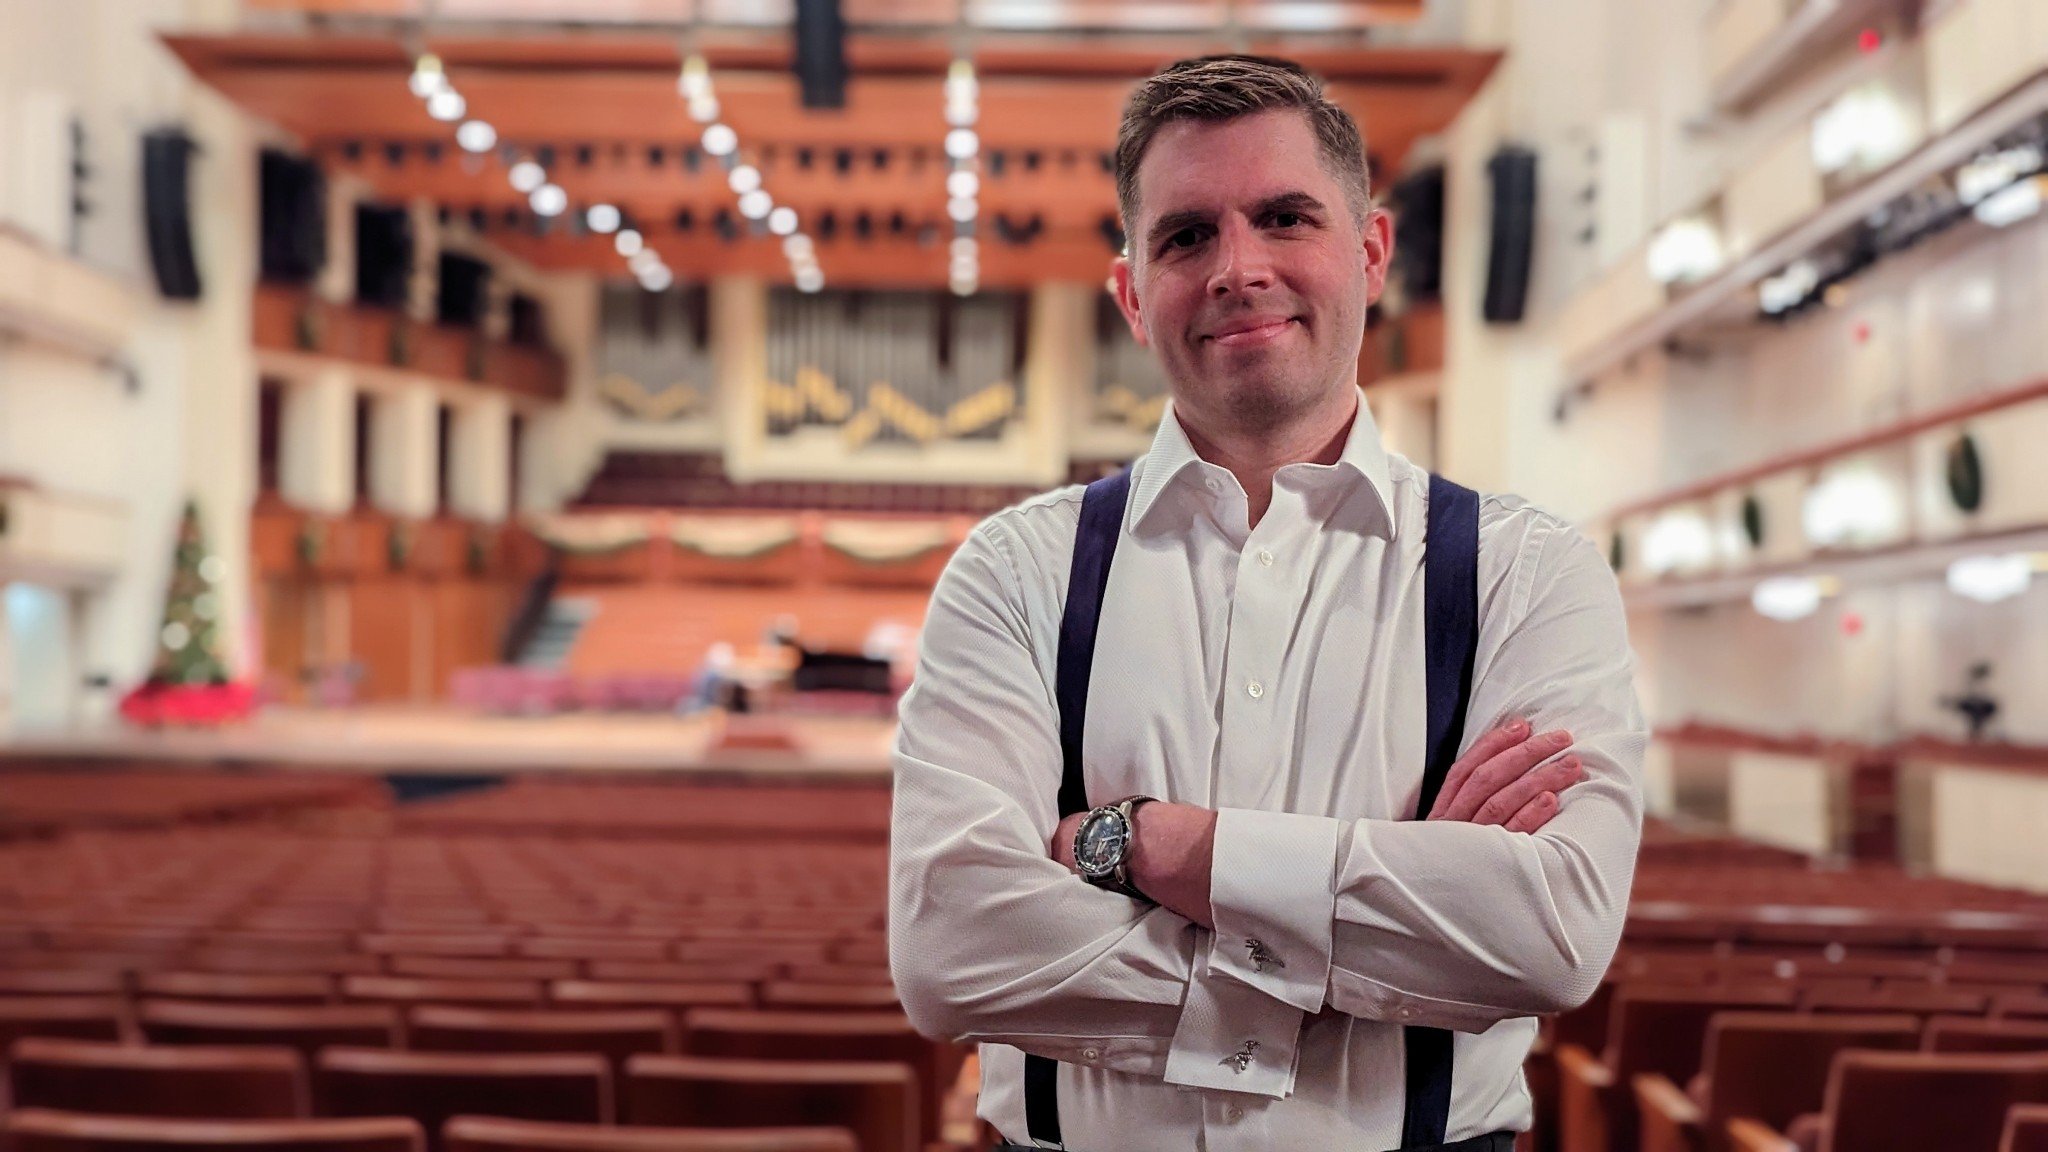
192, 1082
880, 1102
650, 994
614, 1034
832, 972
1976, 1034
592, 948
482, 968
1916, 1101
1924, 1000
60, 982
884, 1036
268, 988
1650, 1030
43, 1130
2026, 1129
430, 1087
64, 1017
1766, 1068
677, 972
306, 1028
436, 944
419, 990
789, 994
258, 961
486, 1134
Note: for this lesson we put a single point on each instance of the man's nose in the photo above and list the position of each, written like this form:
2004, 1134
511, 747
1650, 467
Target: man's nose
1243, 259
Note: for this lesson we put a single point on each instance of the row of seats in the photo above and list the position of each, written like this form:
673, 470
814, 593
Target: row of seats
1763, 1001
45, 1130
877, 1099
51, 800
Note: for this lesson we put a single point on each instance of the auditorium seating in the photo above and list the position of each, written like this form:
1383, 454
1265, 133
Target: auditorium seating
1912, 1101
614, 1034
490, 1134
44, 1130
880, 1102
1977, 1034
430, 1087
239, 1083
307, 1028
1763, 1067
2026, 1129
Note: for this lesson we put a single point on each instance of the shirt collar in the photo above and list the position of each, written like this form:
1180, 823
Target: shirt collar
1172, 460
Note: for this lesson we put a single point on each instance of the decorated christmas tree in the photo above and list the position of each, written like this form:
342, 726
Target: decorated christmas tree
188, 645
189, 682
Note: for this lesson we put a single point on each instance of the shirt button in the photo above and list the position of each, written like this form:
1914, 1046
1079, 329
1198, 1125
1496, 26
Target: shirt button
1255, 689
1266, 557
1406, 1013
1213, 484
1235, 1112
1091, 1054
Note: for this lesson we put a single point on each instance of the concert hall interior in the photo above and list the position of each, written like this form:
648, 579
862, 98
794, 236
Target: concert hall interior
473, 474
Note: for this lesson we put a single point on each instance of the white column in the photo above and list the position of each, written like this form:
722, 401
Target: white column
337, 282
480, 480
426, 259
403, 425
317, 456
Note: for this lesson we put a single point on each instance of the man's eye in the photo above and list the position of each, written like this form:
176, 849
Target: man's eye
1286, 219
1185, 238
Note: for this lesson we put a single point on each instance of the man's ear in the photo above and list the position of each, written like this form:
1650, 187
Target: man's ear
1127, 298
1379, 252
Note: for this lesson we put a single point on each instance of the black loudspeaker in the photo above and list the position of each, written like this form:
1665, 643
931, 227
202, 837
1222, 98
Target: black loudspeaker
1417, 202
167, 211
460, 300
1513, 170
821, 53
383, 255
293, 230
529, 325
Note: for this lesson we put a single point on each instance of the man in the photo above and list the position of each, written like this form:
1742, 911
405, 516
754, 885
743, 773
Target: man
1280, 938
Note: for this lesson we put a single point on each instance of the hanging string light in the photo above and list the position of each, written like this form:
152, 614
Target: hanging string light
963, 176
722, 144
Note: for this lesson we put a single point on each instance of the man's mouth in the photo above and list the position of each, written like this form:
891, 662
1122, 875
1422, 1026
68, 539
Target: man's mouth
1254, 333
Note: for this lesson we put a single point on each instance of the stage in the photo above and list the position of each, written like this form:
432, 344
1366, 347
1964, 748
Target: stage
397, 739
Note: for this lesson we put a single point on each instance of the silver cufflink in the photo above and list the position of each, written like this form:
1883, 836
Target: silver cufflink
1260, 957
1242, 1058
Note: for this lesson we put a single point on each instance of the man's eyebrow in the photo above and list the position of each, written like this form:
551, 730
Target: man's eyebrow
1172, 222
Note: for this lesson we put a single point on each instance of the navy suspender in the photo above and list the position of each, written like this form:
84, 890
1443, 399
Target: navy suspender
1451, 629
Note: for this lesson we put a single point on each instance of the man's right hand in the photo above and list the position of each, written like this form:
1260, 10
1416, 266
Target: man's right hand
1504, 779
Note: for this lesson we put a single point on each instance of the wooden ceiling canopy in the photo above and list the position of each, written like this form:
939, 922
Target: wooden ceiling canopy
603, 109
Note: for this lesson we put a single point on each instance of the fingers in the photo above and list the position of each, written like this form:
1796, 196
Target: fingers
1536, 813
1502, 770
1507, 803
1485, 748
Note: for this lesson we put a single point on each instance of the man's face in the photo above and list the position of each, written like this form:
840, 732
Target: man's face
1247, 271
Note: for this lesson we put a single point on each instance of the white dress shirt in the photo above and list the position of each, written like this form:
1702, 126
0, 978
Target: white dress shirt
1275, 674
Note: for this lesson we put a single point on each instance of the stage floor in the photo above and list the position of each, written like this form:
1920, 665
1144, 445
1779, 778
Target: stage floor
380, 739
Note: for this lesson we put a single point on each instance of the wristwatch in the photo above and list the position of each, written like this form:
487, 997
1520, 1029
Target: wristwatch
1102, 846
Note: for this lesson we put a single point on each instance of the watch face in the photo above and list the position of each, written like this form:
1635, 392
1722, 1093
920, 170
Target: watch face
1100, 846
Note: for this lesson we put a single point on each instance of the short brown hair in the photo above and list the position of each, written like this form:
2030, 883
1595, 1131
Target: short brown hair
1216, 88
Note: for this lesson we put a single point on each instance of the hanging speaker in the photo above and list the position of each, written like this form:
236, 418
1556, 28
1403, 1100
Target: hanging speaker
383, 255
167, 211
292, 239
460, 299
821, 53
1513, 170
1417, 202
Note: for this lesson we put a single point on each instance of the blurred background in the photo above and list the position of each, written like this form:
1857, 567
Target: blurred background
471, 472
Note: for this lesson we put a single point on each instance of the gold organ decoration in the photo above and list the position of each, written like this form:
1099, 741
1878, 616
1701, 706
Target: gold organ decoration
905, 368
654, 352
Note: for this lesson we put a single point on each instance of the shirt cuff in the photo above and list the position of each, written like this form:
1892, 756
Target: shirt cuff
1233, 1038
1273, 892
